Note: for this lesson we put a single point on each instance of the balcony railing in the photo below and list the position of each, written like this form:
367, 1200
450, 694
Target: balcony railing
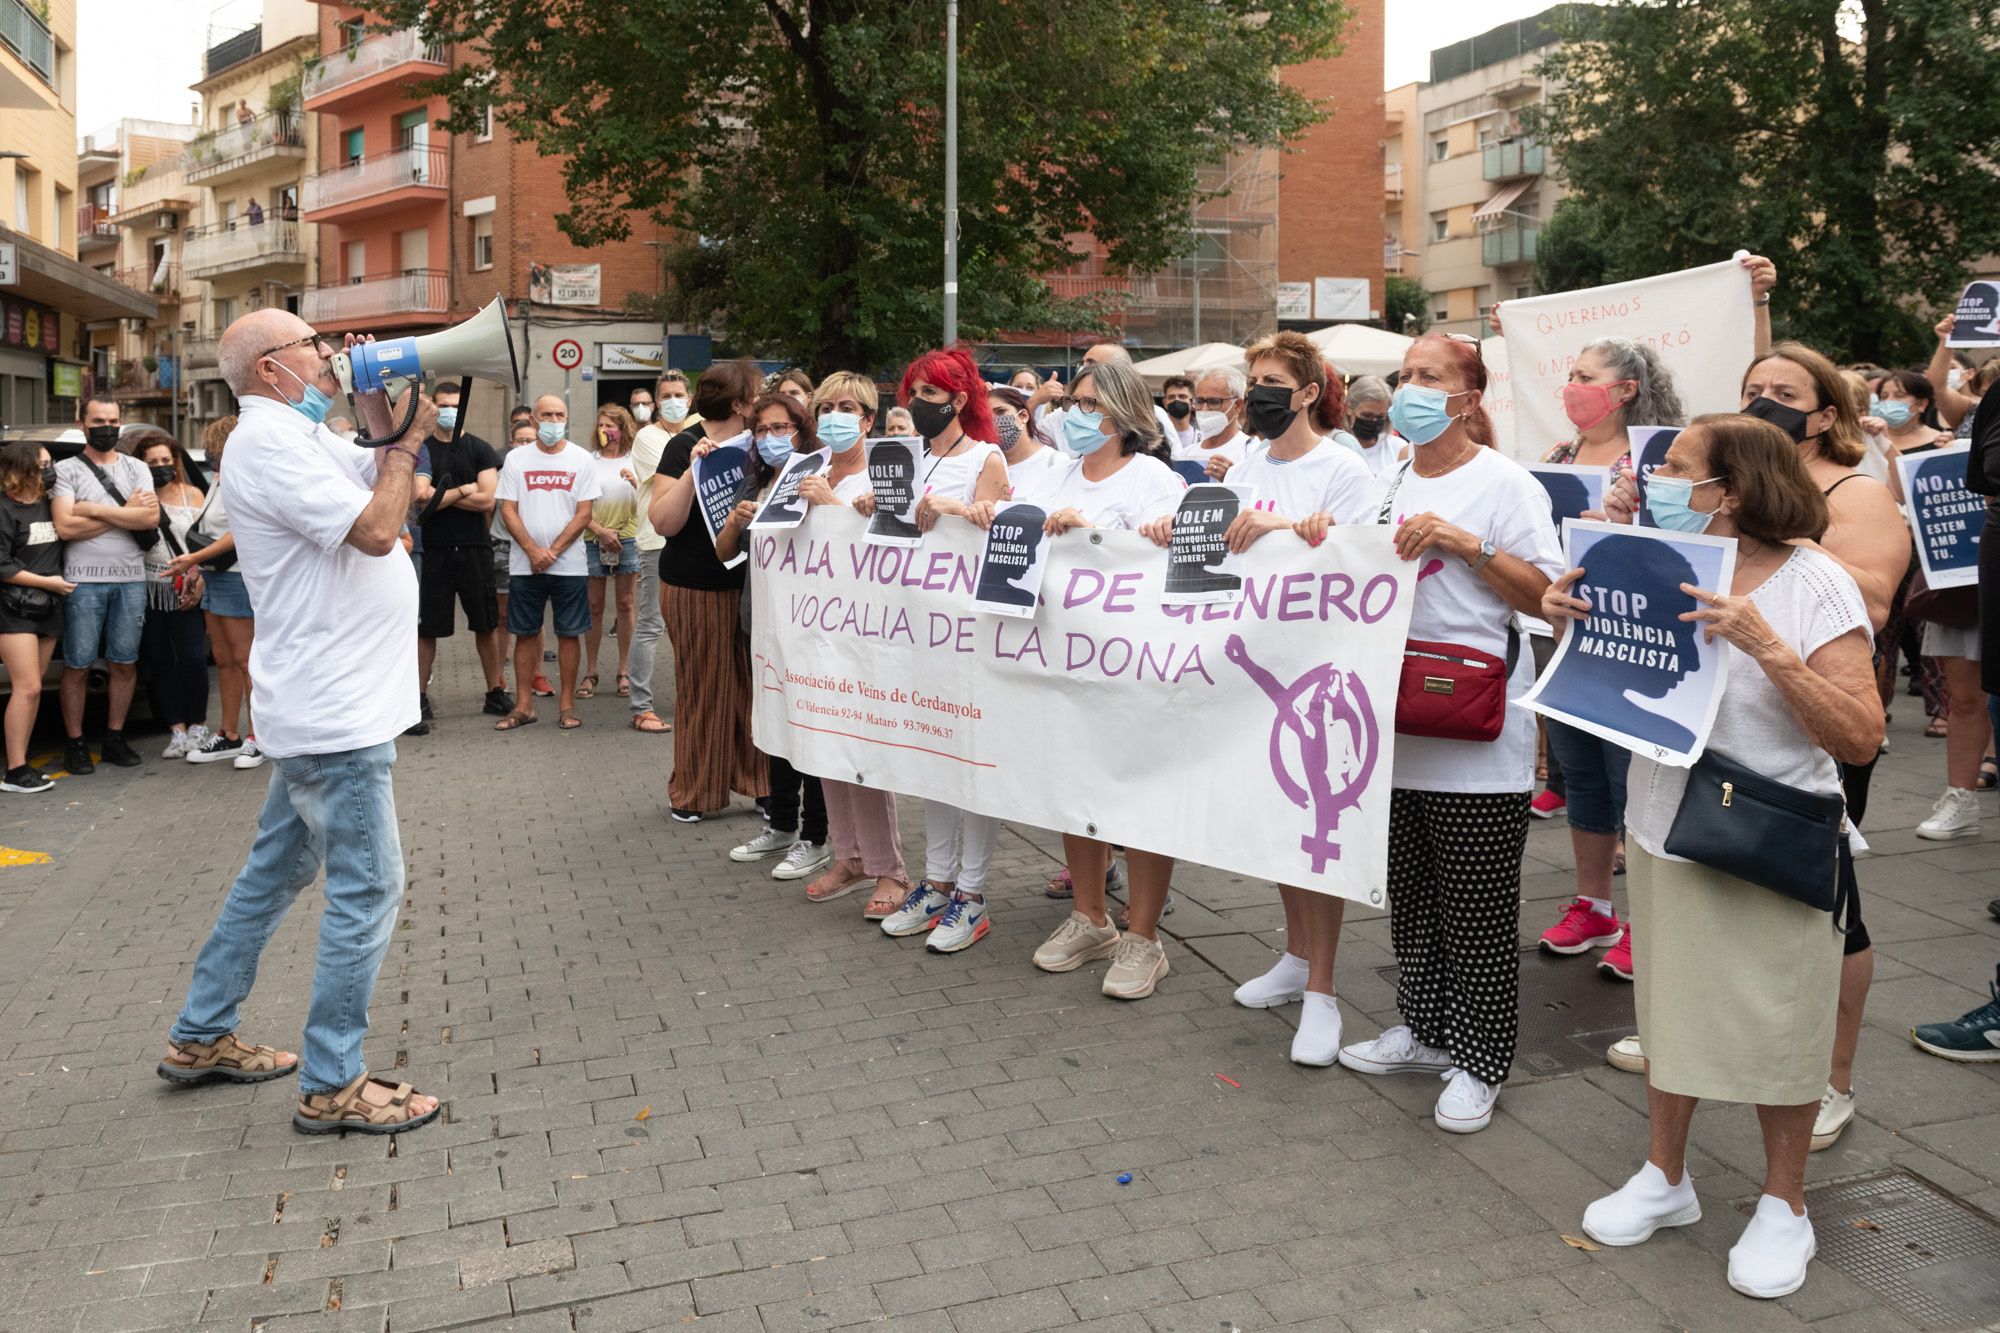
1511, 159
400, 169
420, 291
154, 279
241, 244
1392, 181
94, 225
1511, 244
348, 65
233, 51
201, 350
130, 378
211, 155
28, 37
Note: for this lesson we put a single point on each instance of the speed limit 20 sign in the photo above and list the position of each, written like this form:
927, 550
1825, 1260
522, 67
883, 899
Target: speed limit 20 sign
567, 354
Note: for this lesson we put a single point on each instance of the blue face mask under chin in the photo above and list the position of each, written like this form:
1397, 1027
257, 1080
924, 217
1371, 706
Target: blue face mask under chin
314, 405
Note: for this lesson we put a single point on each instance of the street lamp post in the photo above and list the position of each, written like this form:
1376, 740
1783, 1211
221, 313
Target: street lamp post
950, 172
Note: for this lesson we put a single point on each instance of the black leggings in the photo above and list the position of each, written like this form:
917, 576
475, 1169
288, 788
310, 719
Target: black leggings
175, 648
791, 789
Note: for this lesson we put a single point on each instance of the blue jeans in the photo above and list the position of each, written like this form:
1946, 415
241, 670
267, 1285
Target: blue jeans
340, 810
1594, 776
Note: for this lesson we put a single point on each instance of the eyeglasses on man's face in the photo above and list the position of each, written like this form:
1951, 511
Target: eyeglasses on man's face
322, 346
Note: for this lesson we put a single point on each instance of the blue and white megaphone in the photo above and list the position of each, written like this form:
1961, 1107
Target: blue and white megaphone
479, 348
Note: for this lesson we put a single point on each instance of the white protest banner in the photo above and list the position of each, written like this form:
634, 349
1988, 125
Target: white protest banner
1977, 323
718, 486
1634, 649
1945, 517
783, 507
1699, 320
1257, 738
1200, 570
1013, 561
1574, 488
1498, 400
1649, 445
892, 476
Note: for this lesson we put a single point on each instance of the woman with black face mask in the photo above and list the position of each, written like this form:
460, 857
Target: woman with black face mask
174, 644
32, 589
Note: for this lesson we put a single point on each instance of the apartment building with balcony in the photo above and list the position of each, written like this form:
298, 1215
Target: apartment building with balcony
380, 192
249, 164
1403, 214
42, 316
1486, 185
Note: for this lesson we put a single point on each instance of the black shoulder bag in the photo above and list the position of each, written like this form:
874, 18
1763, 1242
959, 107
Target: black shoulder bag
199, 540
145, 538
1793, 842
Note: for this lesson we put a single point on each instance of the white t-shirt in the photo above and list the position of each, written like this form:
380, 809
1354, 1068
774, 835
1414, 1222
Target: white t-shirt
1381, 456
1236, 448
956, 476
546, 488
113, 556
1328, 479
1497, 500
647, 446
1043, 461
336, 649
1137, 493
1809, 602
853, 486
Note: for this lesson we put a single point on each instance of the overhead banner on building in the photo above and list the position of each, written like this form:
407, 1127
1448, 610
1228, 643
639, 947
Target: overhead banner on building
1256, 737
1295, 300
566, 284
27, 325
1699, 320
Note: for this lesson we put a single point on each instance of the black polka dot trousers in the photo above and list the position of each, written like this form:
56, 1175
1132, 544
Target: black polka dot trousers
1454, 918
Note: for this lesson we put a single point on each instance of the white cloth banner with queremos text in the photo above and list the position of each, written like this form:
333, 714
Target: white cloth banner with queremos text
1699, 320
1256, 737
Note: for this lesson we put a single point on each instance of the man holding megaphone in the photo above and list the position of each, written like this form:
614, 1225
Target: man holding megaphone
316, 522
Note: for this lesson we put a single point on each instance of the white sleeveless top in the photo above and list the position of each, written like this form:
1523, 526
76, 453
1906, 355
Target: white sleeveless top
957, 477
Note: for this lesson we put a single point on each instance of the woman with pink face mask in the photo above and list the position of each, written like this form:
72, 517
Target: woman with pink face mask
1615, 383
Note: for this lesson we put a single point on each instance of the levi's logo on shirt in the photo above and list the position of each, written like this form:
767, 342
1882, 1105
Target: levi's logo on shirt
553, 480
42, 534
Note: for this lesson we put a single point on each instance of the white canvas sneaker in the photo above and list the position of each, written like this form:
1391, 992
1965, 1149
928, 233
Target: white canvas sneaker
1466, 1105
804, 858
1836, 1113
1956, 815
1396, 1051
767, 844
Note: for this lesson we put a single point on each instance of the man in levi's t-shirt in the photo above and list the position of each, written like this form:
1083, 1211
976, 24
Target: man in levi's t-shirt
545, 496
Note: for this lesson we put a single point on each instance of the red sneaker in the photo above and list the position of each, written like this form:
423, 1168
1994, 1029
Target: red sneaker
1546, 805
1618, 959
1582, 929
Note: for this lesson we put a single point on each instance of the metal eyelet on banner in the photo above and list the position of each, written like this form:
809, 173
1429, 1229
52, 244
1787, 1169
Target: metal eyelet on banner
1091, 829
859, 780
1375, 896
1096, 538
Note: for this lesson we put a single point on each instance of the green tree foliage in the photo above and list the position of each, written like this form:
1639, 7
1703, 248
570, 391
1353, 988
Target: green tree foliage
1570, 254
1406, 305
797, 145
1852, 141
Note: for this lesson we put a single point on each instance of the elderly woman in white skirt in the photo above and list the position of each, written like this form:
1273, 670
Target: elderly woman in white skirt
1736, 984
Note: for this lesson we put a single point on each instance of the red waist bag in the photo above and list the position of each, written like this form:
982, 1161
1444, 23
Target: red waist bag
1450, 692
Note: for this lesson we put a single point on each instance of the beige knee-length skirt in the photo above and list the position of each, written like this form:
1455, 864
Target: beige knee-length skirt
1736, 985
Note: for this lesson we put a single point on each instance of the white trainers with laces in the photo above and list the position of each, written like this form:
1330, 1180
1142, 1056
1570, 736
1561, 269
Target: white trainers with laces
181, 742
1136, 967
1836, 1113
919, 912
1396, 1051
1642, 1205
963, 924
249, 756
1466, 1105
1628, 1054
1075, 942
804, 858
1955, 815
767, 844
1285, 982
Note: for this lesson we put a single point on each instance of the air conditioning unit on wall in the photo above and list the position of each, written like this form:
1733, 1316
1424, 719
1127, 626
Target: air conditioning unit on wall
167, 222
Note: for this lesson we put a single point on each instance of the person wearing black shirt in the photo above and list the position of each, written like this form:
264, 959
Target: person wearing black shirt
31, 592
456, 510
700, 601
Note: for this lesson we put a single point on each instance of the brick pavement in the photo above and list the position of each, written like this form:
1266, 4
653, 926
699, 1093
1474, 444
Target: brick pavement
679, 1096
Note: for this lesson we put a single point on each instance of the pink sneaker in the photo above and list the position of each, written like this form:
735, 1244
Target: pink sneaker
1546, 805
1582, 929
1618, 959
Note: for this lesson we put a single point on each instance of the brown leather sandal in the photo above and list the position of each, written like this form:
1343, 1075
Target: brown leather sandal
338, 1112
224, 1060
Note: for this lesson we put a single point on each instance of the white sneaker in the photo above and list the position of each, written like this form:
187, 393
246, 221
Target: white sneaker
1627, 1054
919, 912
1136, 967
214, 748
1836, 1112
767, 844
1396, 1051
1956, 815
963, 924
181, 742
1770, 1258
1317, 1042
249, 756
1285, 982
1075, 942
1466, 1104
804, 858
1641, 1206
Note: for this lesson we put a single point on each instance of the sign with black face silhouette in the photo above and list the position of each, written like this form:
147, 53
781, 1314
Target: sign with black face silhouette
892, 475
1013, 561
1977, 323
1649, 445
784, 507
718, 480
1200, 570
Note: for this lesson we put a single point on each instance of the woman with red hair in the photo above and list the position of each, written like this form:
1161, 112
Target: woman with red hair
961, 466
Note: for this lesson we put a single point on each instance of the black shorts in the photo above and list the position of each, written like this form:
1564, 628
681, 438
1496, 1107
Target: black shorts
456, 573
